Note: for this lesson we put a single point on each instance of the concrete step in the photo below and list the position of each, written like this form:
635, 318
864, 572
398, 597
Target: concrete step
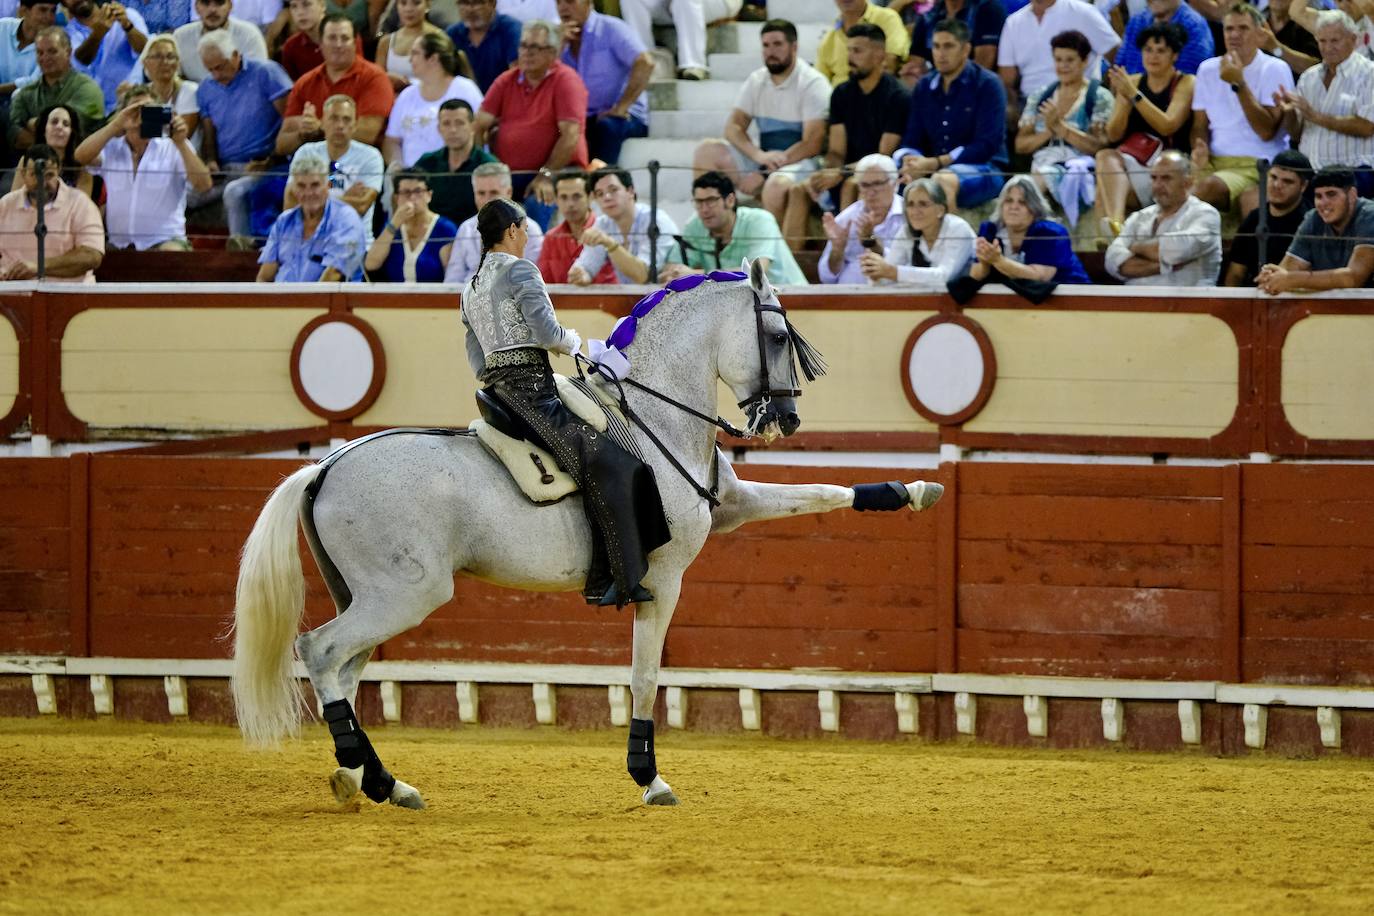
743, 37
684, 95
733, 66
674, 184
692, 125
670, 153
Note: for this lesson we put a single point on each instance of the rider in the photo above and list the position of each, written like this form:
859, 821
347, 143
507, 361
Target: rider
511, 327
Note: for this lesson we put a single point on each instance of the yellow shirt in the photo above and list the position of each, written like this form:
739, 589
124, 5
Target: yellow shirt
833, 57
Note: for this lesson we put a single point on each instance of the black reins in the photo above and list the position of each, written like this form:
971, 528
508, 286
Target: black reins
809, 359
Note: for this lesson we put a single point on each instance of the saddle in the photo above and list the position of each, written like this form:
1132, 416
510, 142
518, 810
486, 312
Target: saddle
506, 437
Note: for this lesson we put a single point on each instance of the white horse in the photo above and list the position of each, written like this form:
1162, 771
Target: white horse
391, 519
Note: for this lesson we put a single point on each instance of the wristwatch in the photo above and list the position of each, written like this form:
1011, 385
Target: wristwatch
1138, 97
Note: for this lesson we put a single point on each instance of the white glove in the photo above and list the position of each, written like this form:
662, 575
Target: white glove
572, 342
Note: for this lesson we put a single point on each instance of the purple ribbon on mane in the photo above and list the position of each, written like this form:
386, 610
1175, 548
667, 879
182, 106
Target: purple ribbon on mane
624, 332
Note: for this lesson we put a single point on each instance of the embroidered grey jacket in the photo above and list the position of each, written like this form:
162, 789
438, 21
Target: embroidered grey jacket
506, 307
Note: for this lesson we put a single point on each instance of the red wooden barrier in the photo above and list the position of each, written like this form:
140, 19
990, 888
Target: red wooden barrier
1257, 572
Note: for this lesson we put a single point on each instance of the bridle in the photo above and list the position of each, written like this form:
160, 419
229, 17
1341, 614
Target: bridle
800, 352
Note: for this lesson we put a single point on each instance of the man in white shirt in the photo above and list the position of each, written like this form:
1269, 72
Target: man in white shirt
260, 13
355, 169
490, 180
214, 14
1025, 60
1176, 241
1332, 113
870, 223
1235, 118
145, 178
790, 101
621, 233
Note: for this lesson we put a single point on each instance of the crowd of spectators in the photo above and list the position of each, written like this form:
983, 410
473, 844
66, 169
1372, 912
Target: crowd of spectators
352, 140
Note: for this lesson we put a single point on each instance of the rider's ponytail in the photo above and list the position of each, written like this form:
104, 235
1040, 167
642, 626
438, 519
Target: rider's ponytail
495, 217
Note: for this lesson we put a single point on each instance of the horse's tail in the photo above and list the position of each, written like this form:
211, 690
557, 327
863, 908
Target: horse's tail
268, 606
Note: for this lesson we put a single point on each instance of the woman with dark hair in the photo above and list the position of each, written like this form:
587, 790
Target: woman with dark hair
511, 329
393, 48
1065, 124
1153, 113
413, 128
59, 126
1021, 242
415, 245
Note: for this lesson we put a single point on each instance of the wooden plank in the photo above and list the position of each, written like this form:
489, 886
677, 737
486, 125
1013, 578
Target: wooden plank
997, 479
37, 632
169, 552
1232, 524
29, 590
1310, 661
154, 594
1120, 611
18, 474
821, 608
1316, 570
1157, 657
1316, 482
1293, 616
184, 636
851, 650
948, 554
38, 507
1030, 562
561, 643
1080, 518
135, 472
1310, 523
79, 509
845, 525
219, 508
750, 561
34, 548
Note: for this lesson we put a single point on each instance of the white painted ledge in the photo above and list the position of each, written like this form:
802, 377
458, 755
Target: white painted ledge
1296, 695
1086, 688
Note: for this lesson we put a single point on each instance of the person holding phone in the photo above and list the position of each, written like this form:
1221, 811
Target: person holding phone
147, 162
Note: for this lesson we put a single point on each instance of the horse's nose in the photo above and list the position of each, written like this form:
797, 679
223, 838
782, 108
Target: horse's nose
789, 423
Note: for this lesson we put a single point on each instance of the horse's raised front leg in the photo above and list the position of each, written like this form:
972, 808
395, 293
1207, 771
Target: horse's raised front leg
744, 501
650, 629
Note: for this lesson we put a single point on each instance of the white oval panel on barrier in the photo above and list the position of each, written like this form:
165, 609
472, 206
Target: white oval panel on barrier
946, 368
336, 365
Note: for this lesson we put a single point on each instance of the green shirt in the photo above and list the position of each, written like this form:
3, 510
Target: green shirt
756, 235
452, 189
78, 90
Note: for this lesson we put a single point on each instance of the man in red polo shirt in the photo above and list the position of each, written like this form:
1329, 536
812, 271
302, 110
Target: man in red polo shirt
563, 243
345, 72
539, 106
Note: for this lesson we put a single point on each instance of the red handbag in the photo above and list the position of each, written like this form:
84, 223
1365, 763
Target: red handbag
1141, 147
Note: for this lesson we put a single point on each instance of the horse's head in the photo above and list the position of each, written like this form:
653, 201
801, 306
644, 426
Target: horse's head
760, 363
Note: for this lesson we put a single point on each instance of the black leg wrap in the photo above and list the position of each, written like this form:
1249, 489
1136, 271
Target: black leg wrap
640, 760
881, 497
352, 749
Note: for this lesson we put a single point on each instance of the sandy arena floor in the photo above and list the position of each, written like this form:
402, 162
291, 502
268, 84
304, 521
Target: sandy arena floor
123, 818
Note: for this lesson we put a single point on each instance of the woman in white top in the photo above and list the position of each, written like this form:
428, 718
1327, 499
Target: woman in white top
160, 68
934, 246
393, 50
413, 127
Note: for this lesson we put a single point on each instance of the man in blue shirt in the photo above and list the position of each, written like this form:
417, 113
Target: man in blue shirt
1198, 48
491, 40
18, 57
318, 240
956, 129
615, 66
106, 42
241, 109
984, 19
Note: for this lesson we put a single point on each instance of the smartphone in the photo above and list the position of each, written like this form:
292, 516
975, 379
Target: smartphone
157, 121
869, 243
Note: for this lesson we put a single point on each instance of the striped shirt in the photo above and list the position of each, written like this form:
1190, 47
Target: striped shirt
1351, 93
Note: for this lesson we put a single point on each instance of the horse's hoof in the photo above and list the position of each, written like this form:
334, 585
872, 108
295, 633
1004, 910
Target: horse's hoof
346, 783
660, 793
924, 494
406, 796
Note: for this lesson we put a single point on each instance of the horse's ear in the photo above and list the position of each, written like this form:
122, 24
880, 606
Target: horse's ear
758, 277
